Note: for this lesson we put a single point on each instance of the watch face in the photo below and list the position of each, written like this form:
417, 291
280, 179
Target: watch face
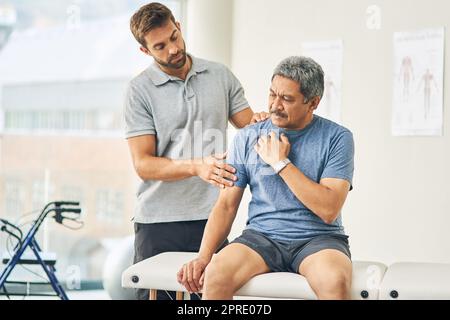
278, 166
281, 165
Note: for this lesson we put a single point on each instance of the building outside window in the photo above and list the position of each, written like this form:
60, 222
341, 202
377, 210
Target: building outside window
61, 121
13, 197
109, 206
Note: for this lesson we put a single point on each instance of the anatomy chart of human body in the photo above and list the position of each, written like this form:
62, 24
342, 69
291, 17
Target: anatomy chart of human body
329, 54
418, 83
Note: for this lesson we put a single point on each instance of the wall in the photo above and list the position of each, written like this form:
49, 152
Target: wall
399, 209
208, 29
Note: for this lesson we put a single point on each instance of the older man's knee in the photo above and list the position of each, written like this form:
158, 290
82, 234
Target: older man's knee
217, 275
330, 283
334, 284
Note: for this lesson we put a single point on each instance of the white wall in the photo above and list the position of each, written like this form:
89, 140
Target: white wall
399, 209
208, 29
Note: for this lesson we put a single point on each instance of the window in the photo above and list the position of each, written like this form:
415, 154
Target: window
13, 201
72, 193
41, 193
109, 206
61, 109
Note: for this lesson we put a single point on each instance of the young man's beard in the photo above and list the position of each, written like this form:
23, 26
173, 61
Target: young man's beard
178, 65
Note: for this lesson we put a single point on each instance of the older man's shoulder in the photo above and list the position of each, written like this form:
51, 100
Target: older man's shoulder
332, 126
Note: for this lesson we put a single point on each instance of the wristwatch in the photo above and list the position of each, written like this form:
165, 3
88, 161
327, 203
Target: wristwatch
280, 165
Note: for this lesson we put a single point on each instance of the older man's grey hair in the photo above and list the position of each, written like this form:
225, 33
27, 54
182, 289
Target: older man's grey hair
306, 72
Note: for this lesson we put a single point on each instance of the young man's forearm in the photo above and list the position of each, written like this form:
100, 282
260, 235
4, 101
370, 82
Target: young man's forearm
318, 198
165, 169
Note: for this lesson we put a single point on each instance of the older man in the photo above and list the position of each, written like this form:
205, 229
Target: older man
299, 167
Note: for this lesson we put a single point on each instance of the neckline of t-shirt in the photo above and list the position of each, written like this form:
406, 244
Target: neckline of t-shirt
297, 132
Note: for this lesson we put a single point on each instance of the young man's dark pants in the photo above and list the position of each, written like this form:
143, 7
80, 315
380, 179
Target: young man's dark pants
155, 238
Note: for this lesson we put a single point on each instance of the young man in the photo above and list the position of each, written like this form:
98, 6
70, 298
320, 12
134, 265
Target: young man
299, 167
176, 115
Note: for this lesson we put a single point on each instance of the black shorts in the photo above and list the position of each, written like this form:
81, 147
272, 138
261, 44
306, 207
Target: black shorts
155, 238
282, 257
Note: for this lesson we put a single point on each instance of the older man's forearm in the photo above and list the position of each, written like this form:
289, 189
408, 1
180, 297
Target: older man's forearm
318, 198
217, 229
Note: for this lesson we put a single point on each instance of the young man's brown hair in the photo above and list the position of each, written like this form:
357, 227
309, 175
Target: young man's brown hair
147, 18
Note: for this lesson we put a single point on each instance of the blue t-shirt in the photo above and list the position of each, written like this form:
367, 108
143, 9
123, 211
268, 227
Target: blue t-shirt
323, 149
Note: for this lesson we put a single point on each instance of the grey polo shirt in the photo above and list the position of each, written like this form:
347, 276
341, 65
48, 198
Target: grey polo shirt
189, 119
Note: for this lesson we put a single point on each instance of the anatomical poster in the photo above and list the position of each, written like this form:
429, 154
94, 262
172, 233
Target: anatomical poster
418, 83
329, 54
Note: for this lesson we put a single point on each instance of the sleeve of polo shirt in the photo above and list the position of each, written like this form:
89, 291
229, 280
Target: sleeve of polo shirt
138, 115
238, 102
236, 158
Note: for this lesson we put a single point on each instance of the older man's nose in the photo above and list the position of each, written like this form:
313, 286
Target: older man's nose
277, 105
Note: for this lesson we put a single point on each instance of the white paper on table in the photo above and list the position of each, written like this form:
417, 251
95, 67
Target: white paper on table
418, 83
329, 54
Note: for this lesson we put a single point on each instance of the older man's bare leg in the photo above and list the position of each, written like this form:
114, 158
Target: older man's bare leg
329, 273
230, 269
